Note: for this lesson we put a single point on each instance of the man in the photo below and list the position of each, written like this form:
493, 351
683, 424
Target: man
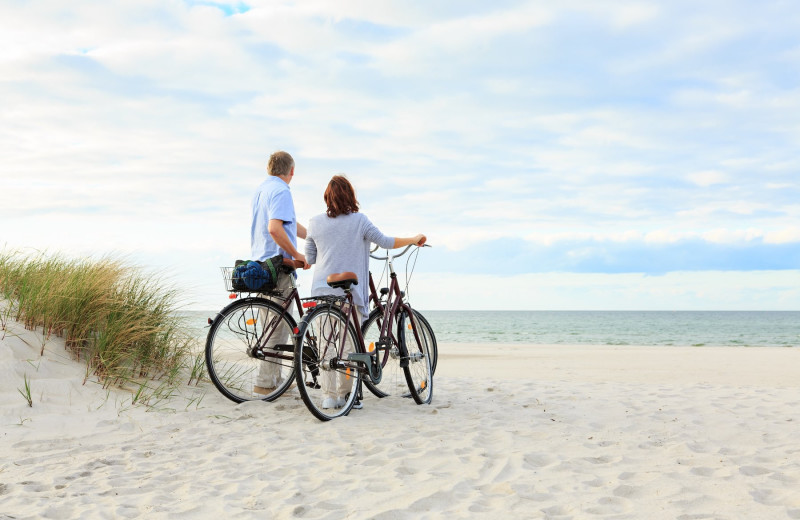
274, 231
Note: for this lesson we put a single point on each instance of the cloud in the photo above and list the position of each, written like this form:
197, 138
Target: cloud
700, 290
636, 137
623, 254
707, 178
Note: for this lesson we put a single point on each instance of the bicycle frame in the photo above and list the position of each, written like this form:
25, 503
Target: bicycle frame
331, 338
368, 360
271, 328
365, 361
394, 301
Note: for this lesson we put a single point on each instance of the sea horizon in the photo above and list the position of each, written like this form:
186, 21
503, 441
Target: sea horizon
607, 327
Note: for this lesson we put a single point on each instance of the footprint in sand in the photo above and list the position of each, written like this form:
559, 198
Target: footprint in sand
538, 460
599, 460
610, 506
703, 472
625, 491
753, 471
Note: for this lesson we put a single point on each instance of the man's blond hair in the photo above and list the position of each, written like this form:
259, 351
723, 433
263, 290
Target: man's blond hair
280, 163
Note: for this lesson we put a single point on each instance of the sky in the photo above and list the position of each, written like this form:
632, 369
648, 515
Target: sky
616, 155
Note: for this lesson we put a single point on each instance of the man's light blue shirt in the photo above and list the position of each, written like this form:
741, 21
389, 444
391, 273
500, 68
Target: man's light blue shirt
273, 200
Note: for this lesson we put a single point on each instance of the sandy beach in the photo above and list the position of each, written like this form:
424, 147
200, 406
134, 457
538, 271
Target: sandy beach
514, 431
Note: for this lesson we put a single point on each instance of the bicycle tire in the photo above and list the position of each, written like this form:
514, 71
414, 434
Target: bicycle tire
393, 381
316, 343
418, 368
433, 346
392, 378
230, 356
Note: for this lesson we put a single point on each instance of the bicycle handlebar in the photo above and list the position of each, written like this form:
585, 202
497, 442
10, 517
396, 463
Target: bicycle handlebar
404, 251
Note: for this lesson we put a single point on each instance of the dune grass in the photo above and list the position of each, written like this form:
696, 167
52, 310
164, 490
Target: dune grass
112, 315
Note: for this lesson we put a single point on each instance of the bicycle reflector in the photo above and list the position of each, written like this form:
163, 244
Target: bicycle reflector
295, 330
372, 346
308, 305
232, 296
251, 321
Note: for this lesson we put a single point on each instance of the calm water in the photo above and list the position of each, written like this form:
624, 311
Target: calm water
657, 328
696, 328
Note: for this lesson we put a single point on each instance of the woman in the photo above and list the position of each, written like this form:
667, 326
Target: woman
338, 241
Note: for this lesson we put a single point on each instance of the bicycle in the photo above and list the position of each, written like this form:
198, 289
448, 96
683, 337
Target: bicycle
237, 342
393, 381
330, 349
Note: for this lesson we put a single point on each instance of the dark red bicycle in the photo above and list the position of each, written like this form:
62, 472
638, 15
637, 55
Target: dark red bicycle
332, 357
250, 341
392, 382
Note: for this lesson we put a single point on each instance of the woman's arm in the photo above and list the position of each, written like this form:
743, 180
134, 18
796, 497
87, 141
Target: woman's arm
311, 250
402, 242
374, 235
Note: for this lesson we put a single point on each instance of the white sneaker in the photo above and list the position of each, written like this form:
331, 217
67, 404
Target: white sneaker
340, 402
330, 402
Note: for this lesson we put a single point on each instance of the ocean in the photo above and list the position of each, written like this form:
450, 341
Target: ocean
650, 328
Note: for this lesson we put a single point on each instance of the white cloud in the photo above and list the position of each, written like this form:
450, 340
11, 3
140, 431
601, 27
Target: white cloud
145, 126
702, 290
783, 236
707, 178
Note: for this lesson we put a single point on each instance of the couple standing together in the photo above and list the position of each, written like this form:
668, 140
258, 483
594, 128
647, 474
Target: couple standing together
335, 241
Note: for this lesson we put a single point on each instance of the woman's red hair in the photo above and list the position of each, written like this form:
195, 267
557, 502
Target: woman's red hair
340, 197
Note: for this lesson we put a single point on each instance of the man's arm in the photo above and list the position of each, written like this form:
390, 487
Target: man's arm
301, 231
278, 234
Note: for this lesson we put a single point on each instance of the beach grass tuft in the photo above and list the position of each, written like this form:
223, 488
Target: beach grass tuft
121, 321
25, 391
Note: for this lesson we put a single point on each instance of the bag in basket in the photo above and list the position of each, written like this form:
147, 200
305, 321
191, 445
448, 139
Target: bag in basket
255, 276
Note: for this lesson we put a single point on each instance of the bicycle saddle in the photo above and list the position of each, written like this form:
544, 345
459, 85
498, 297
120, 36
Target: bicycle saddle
342, 280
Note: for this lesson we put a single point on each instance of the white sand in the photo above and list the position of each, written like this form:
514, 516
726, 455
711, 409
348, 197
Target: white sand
513, 432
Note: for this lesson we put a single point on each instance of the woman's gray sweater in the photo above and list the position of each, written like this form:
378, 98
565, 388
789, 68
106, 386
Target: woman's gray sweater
335, 245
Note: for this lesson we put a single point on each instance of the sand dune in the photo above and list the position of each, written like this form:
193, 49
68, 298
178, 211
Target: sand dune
513, 432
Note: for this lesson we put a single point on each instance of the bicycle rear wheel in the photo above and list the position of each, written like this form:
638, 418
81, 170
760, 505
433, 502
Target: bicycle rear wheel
417, 369
393, 381
328, 382
237, 342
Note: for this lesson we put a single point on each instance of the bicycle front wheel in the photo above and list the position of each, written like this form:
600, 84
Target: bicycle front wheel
249, 356
430, 338
393, 381
328, 381
417, 364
